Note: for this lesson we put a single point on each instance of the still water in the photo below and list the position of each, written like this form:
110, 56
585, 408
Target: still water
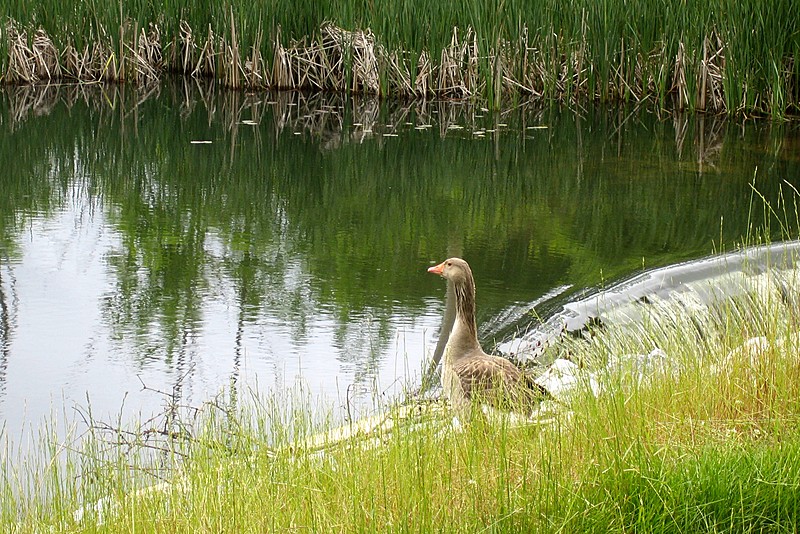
190, 241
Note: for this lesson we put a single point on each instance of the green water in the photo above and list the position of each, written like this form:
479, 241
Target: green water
193, 239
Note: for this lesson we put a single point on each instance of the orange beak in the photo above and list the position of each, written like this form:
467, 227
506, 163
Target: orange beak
437, 269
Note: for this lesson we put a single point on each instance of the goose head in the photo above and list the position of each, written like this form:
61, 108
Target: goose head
455, 270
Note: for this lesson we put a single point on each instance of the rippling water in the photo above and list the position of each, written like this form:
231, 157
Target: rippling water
189, 241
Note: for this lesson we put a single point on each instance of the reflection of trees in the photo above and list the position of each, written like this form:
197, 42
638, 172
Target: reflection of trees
8, 319
30, 185
160, 281
303, 210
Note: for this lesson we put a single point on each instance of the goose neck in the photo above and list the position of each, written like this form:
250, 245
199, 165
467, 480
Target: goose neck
465, 329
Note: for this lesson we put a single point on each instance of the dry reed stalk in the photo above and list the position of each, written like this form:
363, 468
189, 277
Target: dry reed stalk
474, 57
639, 84
714, 73
232, 65
534, 74
364, 53
255, 74
523, 81
679, 77
648, 81
366, 69
498, 66
73, 62
46, 59
20, 67
398, 74
281, 67
279, 64
144, 60
206, 61
622, 88
457, 67
355, 62
322, 64
31, 64
306, 65
84, 60
703, 75
188, 47
505, 58
149, 51
326, 70
103, 64
424, 78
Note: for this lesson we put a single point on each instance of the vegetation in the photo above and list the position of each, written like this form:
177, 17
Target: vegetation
710, 441
736, 57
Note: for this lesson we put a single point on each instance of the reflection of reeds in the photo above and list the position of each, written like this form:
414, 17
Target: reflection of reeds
332, 118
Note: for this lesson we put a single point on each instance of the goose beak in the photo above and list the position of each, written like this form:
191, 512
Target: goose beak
437, 269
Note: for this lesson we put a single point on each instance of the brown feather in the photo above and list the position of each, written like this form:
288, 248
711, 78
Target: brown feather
468, 372
497, 381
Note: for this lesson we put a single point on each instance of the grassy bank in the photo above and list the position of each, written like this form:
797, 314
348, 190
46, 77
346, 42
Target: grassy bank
736, 57
708, 442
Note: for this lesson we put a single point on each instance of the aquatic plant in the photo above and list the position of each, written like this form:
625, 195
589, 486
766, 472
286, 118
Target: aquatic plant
736, 57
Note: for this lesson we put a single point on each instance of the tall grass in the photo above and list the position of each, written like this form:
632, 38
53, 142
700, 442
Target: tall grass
739, 57
708, 441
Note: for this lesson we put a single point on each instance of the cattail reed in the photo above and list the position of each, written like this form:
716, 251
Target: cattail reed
742, 58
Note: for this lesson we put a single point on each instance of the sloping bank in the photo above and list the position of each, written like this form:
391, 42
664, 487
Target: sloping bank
680, 414
735, 57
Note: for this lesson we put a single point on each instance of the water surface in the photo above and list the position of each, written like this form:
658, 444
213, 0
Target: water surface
190, 241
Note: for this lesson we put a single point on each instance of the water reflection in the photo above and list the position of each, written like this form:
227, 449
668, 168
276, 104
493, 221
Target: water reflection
229, 237
8, 314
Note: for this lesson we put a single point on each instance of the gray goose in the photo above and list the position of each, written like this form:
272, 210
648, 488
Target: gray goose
468, 373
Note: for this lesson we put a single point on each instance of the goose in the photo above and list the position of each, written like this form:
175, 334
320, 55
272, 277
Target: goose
468, 373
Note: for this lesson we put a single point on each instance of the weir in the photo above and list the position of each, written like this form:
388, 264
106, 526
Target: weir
705, 282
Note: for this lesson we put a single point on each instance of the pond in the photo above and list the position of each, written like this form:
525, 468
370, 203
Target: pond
182, 240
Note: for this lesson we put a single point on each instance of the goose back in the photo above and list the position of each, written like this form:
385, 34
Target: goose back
468, 373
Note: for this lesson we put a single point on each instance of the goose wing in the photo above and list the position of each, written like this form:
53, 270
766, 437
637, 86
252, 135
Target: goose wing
497, 381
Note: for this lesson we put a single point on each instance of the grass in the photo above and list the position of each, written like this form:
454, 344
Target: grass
735, 57
709, 441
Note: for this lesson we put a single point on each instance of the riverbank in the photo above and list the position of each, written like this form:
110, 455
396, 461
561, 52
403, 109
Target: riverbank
710, 440
740, 58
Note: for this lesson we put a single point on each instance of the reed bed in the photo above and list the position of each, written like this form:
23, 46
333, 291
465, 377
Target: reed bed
709, 440
734, 57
